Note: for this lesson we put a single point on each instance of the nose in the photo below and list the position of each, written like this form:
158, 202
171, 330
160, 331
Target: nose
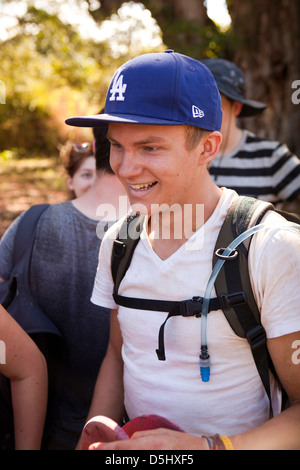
127, 165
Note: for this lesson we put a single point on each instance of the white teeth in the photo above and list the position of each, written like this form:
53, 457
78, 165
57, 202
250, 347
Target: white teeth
142, 186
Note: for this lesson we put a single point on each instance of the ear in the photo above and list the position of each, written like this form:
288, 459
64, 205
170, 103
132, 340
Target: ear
70, 183
237, 108
210, 146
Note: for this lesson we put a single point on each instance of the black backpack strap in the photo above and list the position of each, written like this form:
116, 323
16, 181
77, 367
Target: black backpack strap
185, 308
26, 230
30, 317
233, 281
124, 246
23, 243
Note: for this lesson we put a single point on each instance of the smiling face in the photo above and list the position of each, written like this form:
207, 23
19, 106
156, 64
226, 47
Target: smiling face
156, 166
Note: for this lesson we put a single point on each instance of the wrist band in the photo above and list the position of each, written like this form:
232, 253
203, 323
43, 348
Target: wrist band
218, 442
210, 442
227, 443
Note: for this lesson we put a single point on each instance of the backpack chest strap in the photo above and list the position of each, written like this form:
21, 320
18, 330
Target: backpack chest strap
185, 308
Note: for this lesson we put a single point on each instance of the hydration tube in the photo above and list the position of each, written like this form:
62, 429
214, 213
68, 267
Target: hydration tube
204, 356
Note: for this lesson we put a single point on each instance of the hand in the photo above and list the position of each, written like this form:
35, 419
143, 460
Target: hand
156, 439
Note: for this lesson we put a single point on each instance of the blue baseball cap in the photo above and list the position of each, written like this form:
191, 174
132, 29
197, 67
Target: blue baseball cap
165, 88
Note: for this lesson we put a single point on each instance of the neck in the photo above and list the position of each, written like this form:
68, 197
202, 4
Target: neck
232, 137
168, 230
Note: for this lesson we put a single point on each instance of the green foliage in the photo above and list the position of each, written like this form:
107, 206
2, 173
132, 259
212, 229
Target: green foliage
49, 72
190, 37
187, 37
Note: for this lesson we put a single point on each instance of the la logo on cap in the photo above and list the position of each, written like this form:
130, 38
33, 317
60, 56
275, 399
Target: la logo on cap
197, 112
118, 88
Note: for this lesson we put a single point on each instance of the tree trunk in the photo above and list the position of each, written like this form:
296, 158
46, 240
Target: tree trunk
185, 26
268, 52
178, 9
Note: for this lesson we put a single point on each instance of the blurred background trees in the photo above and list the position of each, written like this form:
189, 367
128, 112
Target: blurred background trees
52, 70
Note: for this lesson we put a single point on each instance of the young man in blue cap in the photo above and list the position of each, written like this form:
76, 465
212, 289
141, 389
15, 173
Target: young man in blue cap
164, 114
249, 164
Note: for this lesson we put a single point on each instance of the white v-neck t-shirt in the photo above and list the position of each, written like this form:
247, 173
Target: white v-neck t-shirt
234, 400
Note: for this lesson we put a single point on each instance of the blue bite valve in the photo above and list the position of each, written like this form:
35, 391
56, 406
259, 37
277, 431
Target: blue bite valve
205, 369
204, 364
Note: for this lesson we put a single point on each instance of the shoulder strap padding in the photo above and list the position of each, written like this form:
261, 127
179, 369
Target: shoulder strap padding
26, 230
25, 309
22, 249
233, 278
124, 246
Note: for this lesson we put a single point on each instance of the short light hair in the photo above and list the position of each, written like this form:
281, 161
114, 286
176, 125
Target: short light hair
194, 135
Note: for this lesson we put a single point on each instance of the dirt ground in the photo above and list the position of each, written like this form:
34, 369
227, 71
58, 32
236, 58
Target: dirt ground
27, 182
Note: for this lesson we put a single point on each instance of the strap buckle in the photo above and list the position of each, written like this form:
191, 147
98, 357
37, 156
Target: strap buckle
119, 248
191, 307
232, 300
232, 255
256, 336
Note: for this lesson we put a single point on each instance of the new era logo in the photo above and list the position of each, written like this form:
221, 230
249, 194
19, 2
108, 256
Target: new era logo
197, 112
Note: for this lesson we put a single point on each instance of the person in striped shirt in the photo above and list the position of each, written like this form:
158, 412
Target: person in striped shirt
251, 165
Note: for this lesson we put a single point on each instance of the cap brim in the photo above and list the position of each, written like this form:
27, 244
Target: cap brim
252, 108
101, 119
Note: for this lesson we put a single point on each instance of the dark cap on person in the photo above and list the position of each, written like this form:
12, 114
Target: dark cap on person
231, 83
164, 88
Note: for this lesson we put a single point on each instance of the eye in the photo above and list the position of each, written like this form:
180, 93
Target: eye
150, 149
115, 146
87, 175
